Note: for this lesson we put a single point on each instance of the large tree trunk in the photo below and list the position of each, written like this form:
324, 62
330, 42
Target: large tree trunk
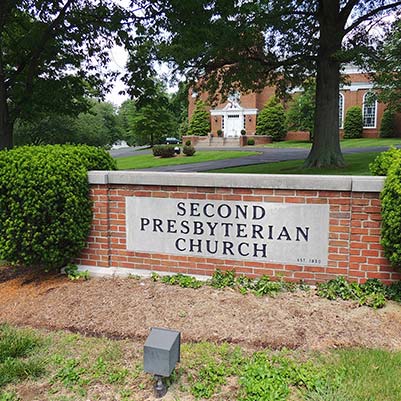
326, 149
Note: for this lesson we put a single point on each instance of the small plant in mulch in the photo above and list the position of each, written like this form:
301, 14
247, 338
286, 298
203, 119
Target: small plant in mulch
72, 272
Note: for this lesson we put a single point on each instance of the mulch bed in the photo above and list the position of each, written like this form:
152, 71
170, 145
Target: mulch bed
128, 308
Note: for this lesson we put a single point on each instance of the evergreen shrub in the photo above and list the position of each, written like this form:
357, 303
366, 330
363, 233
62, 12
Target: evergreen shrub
353, 124
163, 151
188, 143
188, 150
200, 121
387, 128
272, 121
382, 163
251, 142
45, 210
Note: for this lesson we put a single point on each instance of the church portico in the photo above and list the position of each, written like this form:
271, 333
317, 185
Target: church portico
234, 118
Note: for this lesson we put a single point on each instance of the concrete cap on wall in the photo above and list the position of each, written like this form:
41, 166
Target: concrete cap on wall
258, 181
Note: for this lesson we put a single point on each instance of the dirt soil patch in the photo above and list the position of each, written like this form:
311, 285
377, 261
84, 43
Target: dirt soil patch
128, 308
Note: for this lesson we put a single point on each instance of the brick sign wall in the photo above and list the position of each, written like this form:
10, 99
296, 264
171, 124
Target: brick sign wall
309, 228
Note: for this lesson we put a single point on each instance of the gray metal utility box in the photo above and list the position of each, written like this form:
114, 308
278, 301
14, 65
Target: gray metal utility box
161, 351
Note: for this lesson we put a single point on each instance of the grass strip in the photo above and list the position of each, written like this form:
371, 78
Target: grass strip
148, 161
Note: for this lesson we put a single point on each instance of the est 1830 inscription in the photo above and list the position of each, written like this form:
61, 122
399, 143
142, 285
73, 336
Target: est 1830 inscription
269, 232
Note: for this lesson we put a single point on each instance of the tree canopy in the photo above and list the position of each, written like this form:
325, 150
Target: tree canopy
50, 56
225, 44
386, 63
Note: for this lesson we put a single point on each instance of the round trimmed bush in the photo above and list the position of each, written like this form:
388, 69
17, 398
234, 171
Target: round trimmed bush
384, 161
45, 210
251, 142
188, 150
353, 124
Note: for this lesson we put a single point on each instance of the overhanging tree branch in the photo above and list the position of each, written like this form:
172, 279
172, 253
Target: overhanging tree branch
370, 14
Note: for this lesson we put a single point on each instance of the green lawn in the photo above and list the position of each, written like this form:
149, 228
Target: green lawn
345, 143
356, 164
147, 161
69, 367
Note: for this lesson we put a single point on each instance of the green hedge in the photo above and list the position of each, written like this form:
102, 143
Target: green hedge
391, 215
384, 161
45, 211
163, 151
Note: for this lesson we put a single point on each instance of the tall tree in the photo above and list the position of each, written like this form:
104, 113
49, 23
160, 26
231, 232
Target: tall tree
250, 44
50, 54
386, 63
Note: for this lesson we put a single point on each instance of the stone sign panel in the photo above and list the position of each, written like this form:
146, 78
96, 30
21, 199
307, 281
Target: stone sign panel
260, 231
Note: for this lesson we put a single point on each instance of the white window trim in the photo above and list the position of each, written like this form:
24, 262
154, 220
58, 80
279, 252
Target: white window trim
342, 111
363, 112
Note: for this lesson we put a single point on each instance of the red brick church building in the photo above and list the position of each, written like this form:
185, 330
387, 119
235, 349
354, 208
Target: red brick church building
240, 111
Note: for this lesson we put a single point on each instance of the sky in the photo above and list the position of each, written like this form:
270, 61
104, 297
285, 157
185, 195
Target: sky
119, 57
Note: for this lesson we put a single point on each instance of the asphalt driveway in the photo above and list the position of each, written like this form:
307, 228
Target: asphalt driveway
265, 155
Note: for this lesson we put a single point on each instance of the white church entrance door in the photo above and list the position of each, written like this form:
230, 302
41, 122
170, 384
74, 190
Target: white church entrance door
233, 125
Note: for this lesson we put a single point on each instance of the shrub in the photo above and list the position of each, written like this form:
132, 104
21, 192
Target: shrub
271, 120
387, 128
353, 123
200, 121
163, 151
188, 143
251, 142
45, 211
219, 132
243, 132
384, 161
391, 215
188, 150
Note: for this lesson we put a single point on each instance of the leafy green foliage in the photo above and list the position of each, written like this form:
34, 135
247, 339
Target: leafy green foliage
371, 293
353, 123
222, 279
250, 142
271, 379
181, 280
271, 120
97, 127
387, 127
163, 151
16, 348
384, 161
301, 113
72, 272
200, 120
188, 150
386, 62
52, 53
391, 214
45, 211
